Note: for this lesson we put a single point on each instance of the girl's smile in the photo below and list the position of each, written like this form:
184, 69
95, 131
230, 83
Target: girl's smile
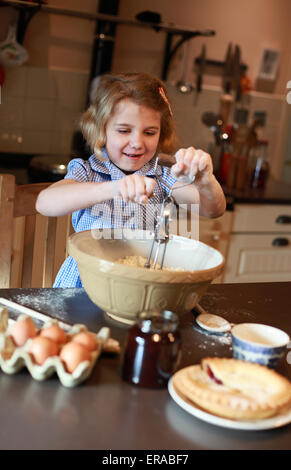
132, 135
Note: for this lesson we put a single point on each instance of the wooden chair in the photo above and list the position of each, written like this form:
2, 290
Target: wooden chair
32, 246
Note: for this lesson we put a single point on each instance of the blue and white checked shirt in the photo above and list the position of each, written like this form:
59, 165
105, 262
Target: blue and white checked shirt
113, 213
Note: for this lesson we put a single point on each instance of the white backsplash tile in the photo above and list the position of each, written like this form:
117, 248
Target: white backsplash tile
271, 105
12, 111
11, 140
39, 114
286, 173
71, 89
61, 143
41, 83
36, 142
188, 113
65, 119
15, 82
40, 109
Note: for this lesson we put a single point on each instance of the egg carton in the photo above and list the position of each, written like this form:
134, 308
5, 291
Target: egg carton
14, 358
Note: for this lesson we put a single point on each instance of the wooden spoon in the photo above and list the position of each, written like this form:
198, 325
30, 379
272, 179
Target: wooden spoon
212, 323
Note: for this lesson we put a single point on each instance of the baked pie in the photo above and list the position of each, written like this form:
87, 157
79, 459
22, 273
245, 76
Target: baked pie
234, 389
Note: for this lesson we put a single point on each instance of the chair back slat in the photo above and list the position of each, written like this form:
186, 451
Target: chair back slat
50, 244
32, 246
28, 245
7, 192
25, 197
17, 251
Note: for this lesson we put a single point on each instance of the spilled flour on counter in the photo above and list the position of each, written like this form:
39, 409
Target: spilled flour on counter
51, 301
212, 340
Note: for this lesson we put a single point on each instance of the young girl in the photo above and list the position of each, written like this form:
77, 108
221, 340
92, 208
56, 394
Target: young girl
128, 123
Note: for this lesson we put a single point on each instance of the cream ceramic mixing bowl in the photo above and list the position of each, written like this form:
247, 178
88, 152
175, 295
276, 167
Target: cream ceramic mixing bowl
123, 291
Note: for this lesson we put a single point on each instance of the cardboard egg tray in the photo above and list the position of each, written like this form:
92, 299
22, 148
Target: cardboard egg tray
13, 358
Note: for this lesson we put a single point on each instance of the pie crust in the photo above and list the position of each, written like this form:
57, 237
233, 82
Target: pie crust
234, 389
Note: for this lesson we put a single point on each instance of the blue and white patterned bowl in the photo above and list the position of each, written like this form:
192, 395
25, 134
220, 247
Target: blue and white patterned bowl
263, 344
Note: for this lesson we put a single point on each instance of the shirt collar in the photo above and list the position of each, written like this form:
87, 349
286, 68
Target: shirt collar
107, 167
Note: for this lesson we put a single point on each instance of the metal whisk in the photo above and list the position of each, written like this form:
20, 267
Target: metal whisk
162, 225
161, 233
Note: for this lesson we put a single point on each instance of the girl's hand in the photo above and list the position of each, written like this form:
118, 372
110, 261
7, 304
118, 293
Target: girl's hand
135, 188
192, 162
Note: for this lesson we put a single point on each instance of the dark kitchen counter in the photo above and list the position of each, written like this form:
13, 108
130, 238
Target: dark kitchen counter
276, 192
107, 413
29, 169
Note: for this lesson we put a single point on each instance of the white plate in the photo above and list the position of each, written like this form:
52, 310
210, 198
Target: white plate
269, 423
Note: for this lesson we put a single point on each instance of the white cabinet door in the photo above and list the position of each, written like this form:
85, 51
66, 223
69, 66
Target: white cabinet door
258, 258
262, 218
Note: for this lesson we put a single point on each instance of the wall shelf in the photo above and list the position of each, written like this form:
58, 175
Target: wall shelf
29, 9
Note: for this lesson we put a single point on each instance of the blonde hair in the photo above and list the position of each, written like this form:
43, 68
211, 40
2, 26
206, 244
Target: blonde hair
142, 88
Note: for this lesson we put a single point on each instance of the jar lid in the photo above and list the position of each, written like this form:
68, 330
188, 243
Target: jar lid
165, 321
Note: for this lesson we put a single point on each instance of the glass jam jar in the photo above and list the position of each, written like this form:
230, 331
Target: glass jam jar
152, 350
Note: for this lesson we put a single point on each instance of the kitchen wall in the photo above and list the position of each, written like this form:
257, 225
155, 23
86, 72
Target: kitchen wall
41, 101
40, 109
55, 41
253, 25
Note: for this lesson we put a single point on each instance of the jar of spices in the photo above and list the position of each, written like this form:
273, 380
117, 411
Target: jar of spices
152, 350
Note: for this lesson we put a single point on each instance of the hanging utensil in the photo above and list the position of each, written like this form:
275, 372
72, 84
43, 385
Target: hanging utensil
182, 85
227, 77
237, 73
226, 98
200, 72
11, 52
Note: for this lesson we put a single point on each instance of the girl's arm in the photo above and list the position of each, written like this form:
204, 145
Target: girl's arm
206, 190
67, 196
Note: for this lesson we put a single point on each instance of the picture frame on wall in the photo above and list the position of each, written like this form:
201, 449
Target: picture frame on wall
269, 64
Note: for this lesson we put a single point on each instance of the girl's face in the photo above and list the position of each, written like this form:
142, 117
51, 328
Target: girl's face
132, 135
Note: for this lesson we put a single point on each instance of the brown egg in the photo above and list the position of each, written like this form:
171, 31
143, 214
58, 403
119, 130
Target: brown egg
72, 354
22, 330
55, 333
87, 339
41, 348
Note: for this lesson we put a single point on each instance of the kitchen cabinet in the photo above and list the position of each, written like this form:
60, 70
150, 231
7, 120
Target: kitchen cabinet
259, 244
